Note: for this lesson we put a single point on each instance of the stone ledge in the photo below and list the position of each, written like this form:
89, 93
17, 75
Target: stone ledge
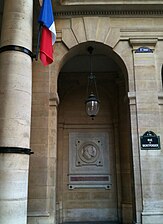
38, 214
150, 213
138, 42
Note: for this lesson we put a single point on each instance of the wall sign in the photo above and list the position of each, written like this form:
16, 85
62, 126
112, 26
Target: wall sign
150, 141
144, 50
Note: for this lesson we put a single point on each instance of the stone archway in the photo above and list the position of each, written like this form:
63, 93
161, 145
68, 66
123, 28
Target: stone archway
92, 202
85, 30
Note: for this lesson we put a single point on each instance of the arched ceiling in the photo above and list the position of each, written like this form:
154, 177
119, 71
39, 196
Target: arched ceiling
103, 59
105, 66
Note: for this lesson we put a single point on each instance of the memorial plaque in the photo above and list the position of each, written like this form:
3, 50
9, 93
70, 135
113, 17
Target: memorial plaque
89, 165
150, 141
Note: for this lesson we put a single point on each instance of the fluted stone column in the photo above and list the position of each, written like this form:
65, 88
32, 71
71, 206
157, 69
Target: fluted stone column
15, 112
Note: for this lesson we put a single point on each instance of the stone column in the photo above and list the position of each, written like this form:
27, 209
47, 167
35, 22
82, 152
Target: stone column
148, 119
15, 112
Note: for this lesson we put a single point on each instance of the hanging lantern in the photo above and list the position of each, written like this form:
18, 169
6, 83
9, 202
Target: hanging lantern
92, 102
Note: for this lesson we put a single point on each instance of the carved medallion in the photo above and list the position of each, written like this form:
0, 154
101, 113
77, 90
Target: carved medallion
89, 153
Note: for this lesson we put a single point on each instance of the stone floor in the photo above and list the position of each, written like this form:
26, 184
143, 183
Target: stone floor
98, 222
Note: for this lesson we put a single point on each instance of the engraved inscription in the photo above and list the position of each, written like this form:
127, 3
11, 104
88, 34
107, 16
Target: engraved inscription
89, 178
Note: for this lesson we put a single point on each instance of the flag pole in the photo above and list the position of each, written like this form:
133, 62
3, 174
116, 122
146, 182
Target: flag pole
38, 41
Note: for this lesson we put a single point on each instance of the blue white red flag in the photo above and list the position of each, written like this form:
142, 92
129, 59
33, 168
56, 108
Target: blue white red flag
48, 36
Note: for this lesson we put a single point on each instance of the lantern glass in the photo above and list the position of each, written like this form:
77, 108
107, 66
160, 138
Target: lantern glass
92, 105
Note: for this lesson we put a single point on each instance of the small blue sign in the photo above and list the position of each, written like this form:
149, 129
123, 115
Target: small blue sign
144, 50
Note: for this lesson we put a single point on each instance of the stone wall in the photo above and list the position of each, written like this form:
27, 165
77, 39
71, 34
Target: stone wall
142, 75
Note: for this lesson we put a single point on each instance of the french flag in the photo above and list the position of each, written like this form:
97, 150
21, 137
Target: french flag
48, 35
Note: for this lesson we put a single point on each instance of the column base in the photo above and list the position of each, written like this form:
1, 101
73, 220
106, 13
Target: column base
127, 213
14, 187
152, 217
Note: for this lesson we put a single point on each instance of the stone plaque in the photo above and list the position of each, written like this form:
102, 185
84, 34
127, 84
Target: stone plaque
89, 181
89, 164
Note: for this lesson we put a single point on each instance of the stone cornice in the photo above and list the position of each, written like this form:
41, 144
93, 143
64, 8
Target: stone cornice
127, 13
138, 42
107, 2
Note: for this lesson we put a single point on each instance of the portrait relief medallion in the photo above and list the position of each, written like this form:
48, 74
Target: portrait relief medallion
89, 152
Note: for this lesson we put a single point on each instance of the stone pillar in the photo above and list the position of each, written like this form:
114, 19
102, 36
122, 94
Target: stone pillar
52, 140
148, 119
15, 112
137, 198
